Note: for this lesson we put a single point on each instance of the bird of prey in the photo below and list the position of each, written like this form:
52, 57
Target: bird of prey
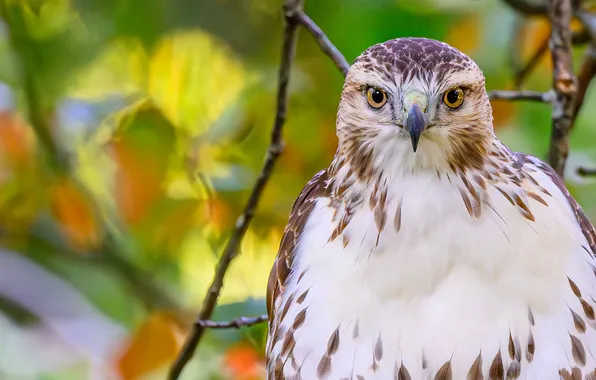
428, 249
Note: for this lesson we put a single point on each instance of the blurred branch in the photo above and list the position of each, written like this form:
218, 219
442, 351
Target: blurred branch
585, 172
324, 43
585, 76
578, 38
39, 114
521, 74
234, 324
536, 96
292, 8
17, 313
564, 82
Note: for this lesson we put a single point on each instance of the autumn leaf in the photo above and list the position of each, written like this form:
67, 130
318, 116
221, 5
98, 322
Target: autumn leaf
17, 143
503, 112
242, 362
193, 78
153, 345
20, 178
75, 212
465, 35
141, 149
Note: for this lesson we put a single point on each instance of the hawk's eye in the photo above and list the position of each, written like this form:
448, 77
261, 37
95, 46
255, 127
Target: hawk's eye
454, 97
376, 97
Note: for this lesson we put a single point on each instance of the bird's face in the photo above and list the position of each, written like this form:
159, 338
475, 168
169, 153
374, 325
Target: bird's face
420, 95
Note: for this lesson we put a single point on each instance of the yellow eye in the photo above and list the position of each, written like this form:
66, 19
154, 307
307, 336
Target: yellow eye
454, 97
376, 97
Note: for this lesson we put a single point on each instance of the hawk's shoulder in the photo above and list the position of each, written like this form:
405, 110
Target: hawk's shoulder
582, 219
301, 210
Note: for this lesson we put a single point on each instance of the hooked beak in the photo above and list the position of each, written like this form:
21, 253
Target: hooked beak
415, 124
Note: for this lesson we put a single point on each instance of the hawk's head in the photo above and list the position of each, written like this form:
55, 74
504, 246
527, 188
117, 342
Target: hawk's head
417, 100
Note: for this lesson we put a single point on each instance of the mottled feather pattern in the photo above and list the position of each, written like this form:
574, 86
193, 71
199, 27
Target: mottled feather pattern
464, 260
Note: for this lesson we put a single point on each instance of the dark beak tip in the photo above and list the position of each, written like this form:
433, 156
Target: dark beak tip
415, 125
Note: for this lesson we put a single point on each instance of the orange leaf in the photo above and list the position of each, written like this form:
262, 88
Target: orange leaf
17, 144
138, 186
242, 362
75, 213
154, 345
219, 214
503, 112
141, 148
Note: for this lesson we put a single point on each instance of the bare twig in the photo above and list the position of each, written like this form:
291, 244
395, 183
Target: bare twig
291, 9
564, 82
580, 37
585, 172
234, 324
324, 43
535, 96
585, 76
521, 75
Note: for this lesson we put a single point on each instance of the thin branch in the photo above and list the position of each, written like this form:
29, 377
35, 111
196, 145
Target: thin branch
515, 44
324, 43
564, 82
585, 76
578, 38
234, 324
291, 9
521, 74
535, 96
585, 172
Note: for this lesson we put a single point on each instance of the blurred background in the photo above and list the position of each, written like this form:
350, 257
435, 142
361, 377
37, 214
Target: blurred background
131, 133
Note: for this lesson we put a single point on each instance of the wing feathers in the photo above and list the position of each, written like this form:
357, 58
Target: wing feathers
301, 210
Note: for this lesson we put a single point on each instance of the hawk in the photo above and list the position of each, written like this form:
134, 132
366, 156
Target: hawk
428, 249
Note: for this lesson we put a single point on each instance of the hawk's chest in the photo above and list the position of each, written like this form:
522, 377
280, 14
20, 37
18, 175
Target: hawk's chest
412, 276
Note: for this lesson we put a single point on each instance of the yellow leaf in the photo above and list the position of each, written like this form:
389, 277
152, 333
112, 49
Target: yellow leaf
154, 344
465, 35
120, 68
193, 78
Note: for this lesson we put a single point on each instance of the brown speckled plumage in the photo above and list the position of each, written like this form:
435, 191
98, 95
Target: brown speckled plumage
360, 210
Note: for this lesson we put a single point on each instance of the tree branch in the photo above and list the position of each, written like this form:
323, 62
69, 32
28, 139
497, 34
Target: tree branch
234, 324
324, 43
585, 172
521, 74
292, 9
585, 76
536, 96
564, 82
